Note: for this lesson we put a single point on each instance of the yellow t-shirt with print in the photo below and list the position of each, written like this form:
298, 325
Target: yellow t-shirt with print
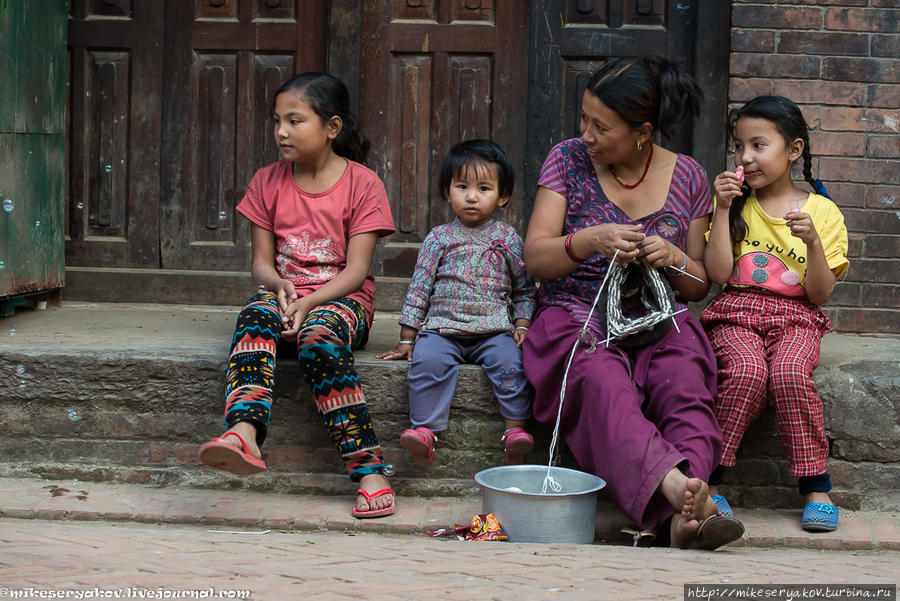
770, 257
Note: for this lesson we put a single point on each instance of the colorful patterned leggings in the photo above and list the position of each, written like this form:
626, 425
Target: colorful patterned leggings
324, 348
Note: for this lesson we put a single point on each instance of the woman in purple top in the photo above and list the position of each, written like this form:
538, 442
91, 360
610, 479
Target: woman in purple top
642, 419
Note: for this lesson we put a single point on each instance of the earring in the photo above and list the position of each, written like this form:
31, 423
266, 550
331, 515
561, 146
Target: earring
639, 145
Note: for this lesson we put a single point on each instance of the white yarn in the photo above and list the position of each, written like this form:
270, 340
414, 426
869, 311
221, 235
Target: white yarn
549, 481
618, 326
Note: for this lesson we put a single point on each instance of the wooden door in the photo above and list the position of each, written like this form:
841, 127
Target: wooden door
433, 73
115, 81
224, 60
32, 149
169, 119
571, 38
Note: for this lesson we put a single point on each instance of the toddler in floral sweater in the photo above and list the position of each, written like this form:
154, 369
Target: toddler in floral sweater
470, 300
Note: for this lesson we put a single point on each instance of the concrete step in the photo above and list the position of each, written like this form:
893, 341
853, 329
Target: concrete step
257, 511
127, 393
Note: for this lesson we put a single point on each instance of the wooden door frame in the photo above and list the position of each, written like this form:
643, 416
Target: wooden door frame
707, 22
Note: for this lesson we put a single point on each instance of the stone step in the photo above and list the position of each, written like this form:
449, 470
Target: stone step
254, 511
127, 393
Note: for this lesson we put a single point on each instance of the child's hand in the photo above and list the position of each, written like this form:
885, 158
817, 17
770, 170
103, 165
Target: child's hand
521, 331
802, 227
403, 349
519, 336
293, 318
286, 294
728, 185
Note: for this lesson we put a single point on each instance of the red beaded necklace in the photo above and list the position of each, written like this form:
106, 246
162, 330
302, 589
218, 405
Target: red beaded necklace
621, 181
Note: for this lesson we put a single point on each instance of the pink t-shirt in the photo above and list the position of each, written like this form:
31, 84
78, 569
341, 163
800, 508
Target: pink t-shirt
312, 230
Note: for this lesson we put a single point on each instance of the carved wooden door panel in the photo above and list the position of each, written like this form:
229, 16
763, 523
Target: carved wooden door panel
168, 120
435, 72
571, 38
115, 76
224, 61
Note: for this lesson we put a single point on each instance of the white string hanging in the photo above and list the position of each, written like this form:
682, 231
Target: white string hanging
549, 481
618, 326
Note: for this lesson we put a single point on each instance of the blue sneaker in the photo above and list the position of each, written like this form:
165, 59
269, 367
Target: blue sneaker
722, 504
820, 517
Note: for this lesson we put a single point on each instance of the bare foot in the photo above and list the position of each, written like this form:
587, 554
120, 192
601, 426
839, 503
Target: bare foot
697, 504
247, 431
688, 496
818, 497
372, 483
682, 530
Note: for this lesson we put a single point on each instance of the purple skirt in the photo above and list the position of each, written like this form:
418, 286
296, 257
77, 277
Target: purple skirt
629, 418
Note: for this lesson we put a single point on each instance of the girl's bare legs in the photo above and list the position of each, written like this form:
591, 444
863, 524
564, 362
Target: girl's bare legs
515, 423
690, 498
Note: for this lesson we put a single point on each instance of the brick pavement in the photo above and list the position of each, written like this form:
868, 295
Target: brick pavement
79, 500
126, 557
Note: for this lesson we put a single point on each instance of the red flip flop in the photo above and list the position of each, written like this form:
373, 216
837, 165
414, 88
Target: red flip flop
219, 454
374, 513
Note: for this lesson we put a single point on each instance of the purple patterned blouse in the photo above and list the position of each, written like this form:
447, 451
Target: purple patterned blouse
469, 281
568, 171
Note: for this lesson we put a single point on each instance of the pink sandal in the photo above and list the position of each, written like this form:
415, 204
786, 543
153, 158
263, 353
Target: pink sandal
374, 513
420, 442
516, 442
218, 453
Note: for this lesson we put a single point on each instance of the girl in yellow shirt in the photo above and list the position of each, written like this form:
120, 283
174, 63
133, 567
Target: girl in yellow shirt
779, 249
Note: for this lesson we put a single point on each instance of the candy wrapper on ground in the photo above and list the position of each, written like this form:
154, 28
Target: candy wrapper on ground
484, 526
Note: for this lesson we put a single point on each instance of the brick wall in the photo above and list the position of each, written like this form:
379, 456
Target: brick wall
838, 60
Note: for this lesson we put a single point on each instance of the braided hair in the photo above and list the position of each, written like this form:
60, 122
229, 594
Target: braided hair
327, 96
785, 115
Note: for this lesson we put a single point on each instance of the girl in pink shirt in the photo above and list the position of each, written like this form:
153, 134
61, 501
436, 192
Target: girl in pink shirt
315, 217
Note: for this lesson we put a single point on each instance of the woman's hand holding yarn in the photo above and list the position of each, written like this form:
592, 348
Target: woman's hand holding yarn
611, 237
658, 252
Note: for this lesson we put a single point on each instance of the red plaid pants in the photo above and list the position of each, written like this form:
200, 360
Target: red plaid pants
767, 347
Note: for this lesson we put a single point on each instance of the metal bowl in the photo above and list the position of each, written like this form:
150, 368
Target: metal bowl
513, 494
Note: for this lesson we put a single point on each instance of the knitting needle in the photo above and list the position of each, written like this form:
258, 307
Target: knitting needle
683, 272
675, 323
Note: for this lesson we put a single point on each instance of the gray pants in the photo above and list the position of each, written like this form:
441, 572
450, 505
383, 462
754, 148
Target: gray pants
435, 367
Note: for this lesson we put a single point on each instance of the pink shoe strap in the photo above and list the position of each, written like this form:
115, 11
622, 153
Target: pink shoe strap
513, 433
428, 434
